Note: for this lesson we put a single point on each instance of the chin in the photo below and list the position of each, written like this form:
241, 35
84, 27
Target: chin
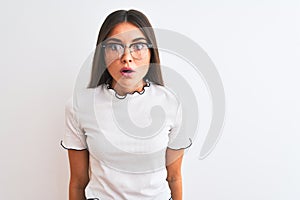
129, 82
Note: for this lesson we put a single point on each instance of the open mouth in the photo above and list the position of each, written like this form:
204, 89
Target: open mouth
126, 70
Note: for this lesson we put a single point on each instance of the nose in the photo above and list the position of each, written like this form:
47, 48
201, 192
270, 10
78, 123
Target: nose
126, 57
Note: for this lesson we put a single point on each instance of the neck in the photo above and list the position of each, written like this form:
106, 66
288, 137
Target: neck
121, 90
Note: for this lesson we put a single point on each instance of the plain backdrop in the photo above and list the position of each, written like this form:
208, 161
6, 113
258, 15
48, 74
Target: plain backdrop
255, 46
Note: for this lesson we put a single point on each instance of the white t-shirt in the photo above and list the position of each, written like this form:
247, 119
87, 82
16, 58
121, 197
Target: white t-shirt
126, 139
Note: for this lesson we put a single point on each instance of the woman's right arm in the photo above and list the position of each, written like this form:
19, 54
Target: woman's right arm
79, 177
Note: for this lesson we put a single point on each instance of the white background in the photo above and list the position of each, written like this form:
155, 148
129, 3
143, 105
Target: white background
255, 46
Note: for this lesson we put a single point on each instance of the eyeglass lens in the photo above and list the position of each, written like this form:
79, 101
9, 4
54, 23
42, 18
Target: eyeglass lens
115, 50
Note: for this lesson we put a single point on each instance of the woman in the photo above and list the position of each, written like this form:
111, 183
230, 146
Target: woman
110, 157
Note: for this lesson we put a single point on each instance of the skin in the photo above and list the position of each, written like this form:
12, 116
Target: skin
174, 178
125, 33
79, 178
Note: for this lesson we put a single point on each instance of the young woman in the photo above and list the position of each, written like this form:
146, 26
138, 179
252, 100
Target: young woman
110, 156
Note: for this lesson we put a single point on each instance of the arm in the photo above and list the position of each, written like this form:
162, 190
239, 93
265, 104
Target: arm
79, 168
173, 164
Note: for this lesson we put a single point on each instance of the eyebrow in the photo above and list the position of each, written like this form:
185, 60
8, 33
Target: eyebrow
137, 39
113, 39
118, 40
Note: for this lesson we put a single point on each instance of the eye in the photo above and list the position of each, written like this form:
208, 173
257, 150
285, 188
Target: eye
113, 47
138, 46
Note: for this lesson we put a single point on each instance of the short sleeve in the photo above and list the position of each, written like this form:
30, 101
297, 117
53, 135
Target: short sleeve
74, 136
178, 139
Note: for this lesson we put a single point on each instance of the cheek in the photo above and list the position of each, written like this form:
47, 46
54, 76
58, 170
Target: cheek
145, 62
109, 62
149, 56
113, 68
142, 65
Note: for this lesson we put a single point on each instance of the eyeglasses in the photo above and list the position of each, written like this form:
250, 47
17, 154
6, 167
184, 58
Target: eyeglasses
137, 50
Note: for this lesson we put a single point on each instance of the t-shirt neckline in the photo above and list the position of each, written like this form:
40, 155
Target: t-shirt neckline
118, 96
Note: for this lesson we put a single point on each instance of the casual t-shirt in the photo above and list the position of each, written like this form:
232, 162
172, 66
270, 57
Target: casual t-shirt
127, 138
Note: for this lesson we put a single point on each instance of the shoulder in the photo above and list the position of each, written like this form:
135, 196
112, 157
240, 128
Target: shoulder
81, 100
69, 108
167, 93
69, 104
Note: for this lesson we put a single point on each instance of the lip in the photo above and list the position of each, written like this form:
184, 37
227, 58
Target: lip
126, 68
127, 74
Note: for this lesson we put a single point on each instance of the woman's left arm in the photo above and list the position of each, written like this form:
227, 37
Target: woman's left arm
173, 165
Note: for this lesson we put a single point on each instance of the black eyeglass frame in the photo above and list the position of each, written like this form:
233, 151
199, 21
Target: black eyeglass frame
149, 46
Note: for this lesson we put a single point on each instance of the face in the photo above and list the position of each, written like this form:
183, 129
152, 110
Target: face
127, 56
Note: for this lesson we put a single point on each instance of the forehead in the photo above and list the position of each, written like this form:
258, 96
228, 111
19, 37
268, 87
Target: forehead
126, 32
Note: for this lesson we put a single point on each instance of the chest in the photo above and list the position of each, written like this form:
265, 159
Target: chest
128, 135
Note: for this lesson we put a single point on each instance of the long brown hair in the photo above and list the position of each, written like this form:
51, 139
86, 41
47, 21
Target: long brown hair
100, 73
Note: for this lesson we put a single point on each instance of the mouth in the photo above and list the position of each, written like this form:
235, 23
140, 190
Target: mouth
126, 70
